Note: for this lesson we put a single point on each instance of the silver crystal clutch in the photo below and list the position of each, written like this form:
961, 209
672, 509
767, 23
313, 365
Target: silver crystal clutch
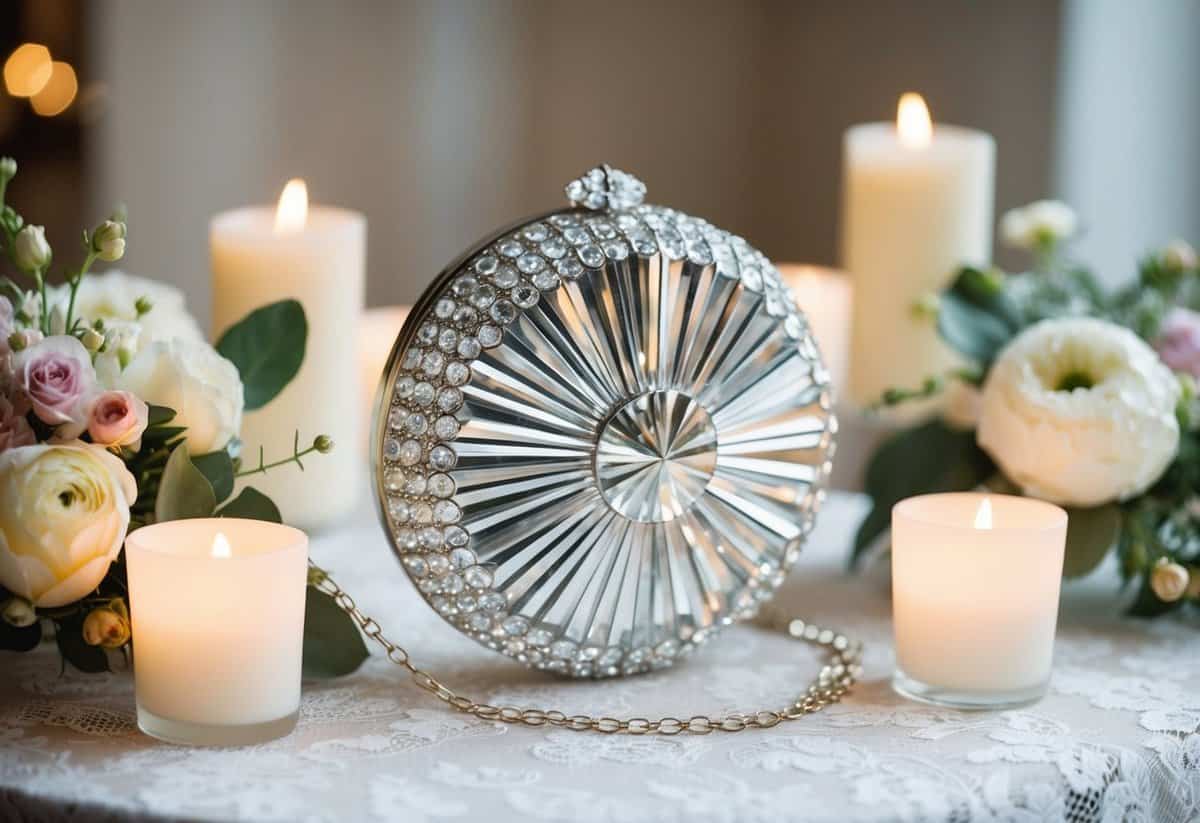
602, 435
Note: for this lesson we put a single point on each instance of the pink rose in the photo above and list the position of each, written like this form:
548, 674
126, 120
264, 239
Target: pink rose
14, 428
56, 375
118, 418
1178, 343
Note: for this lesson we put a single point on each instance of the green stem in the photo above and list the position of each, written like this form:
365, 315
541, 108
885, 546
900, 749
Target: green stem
40, 279
297, 453
75, 281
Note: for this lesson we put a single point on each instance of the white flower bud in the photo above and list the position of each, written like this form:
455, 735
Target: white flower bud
1168, 580
58, 320
1038, 225
108, 240
31, 252
8, 168
20, 340
18, 612
1179, 256
92, 340
31, 305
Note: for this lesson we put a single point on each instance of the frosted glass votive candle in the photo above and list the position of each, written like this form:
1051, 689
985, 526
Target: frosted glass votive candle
217, 607
975, 588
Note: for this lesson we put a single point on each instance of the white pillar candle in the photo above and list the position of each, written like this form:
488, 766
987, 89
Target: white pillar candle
916, 204
376, 335
261, 255
217, 607
824, 295
975, 585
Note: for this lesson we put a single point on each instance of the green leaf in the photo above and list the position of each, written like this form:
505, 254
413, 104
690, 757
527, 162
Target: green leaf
929, 458
333, 645
161, 435
1090, 534
268, 348
159, 416
1148, 604
22, 639
976, 315
252, 504
217, 468
69, 636
184, 491
973, 332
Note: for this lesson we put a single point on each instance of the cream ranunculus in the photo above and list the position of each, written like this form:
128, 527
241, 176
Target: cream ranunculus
1080, 411
64, 512
202, 387
113, 296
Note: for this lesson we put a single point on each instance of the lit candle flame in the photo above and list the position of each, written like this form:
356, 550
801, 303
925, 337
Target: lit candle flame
221, 547
983, 517
913, 122
292, 213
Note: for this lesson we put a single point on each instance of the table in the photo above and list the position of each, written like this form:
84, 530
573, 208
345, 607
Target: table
1116, 738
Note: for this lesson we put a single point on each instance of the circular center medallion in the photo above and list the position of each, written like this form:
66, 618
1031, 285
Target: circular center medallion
655, 456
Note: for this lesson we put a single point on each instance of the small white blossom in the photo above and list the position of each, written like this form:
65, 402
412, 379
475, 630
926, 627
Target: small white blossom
1038, 225
1178, 255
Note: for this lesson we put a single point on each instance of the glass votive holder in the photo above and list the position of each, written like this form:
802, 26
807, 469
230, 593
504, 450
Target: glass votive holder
217, 608
975, 589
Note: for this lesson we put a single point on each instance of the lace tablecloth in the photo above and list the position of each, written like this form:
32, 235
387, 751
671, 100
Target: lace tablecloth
1116, 739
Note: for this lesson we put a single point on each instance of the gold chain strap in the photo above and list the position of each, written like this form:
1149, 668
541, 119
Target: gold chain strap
833, 681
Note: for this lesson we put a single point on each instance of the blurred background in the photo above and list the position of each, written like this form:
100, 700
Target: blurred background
443, 120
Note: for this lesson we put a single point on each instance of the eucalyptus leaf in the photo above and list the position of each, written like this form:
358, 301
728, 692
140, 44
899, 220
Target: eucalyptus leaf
929, 458
267, 347
184, 491
974, 332
252, 504
159, 416
1090, 535
161, 435
1148, 604
333, 645
217, 468
69, 637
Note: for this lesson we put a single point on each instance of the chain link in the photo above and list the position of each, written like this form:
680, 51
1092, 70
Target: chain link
834, 680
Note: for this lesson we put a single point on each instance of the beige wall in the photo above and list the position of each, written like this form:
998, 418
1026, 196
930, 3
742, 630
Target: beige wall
444, 120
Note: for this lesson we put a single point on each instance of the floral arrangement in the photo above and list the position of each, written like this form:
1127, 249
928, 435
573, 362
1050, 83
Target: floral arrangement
1073, 393
115, 412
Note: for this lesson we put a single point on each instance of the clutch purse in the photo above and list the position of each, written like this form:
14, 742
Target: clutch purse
602, 434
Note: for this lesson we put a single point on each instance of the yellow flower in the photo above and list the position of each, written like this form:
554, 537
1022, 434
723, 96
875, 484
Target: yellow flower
107, 626
64, 512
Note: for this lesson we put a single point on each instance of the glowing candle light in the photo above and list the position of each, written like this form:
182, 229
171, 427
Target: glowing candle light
913, 123
292, 211
975, 584
218, 623
221, 547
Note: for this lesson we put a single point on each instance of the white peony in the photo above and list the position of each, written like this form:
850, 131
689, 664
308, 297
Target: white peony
64, 512
1038, 224
190, 377
1079, 411
113, 296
